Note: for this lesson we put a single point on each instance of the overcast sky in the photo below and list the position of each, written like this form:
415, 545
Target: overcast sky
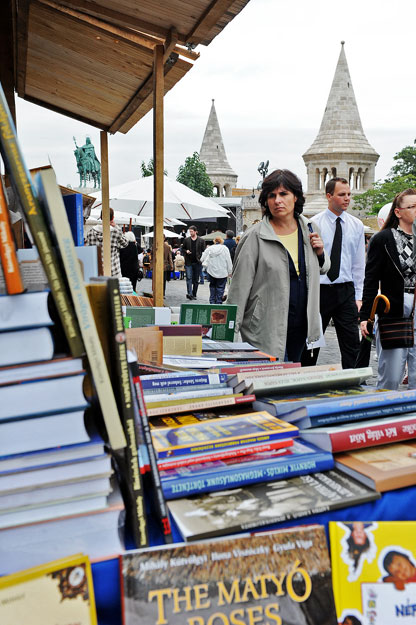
270, 72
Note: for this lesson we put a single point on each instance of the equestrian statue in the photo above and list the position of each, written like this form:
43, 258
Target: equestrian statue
89, 167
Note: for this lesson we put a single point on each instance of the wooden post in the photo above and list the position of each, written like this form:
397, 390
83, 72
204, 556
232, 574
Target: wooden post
158, 147
7, 55
105, 205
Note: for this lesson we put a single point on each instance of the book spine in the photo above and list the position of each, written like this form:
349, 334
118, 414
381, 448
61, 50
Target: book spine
154, 399
320, 379
74, 211
128, 458
240, 475
158, 499
182, 381
181, 391
25, 191
359, 415
8, 256
244, 451
55, 209
371, 436
203, 404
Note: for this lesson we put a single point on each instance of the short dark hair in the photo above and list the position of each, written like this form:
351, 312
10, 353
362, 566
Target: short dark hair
193, 228
230, 234
392, 221
354, 620
286, 179
389, 559
111, 214
331, 184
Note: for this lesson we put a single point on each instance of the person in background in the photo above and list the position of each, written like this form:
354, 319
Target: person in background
230, 243
237, 239
167, 264
117, 242
217, 261
193, 247
147, 259
390, 267
129, 261
275, 279
180, 264
342, 286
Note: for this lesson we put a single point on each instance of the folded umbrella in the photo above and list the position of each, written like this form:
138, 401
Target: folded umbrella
363, 357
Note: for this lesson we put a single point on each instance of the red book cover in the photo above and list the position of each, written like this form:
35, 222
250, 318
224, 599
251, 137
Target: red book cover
8, 256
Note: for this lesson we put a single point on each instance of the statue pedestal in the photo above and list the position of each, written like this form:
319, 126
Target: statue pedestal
86, 190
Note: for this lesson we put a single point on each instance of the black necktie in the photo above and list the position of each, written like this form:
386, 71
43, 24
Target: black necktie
333, 272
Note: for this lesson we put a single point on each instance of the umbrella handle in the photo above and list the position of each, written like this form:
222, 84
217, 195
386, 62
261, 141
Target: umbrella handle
375, 303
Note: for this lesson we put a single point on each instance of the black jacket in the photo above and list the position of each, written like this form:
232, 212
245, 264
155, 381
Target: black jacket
383, 270
187, 245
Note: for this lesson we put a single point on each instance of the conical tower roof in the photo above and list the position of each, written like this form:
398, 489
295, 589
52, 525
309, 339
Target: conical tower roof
212, 151
341, 129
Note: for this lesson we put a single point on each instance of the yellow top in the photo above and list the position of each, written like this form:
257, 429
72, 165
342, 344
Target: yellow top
290, 241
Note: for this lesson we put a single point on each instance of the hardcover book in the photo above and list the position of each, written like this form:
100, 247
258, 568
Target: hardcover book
173, 406
274, 577
8, 257
218, 322
220, 434
266, 466
55, 593
382, 468
74, 210
362, 434
22, 346
374, 571
249, 507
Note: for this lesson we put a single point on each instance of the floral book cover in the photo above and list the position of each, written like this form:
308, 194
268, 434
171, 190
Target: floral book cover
275, 578
374, 572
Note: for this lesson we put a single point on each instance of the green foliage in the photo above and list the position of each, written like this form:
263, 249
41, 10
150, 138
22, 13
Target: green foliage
194, 175
149, 169
401, 176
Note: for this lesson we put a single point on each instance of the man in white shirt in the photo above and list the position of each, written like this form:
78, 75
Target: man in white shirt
342, 286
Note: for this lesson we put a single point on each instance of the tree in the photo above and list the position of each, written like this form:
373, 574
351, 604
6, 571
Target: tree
194, 175
149, 169
401, 176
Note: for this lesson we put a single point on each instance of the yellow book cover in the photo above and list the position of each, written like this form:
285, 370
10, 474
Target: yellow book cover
374, 572
56, 593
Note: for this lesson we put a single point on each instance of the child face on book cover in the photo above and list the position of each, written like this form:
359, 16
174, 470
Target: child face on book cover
401, 568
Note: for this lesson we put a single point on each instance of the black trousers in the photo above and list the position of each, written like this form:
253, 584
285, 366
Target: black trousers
338, 303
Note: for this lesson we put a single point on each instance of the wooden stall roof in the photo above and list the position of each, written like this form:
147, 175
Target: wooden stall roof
93, 59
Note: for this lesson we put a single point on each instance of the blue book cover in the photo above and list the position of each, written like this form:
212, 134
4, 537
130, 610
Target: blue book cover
183, 381
220, 434
74, 210
299, 459
324, 409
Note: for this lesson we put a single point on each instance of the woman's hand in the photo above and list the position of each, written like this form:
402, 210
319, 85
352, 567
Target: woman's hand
363, 328
317, 243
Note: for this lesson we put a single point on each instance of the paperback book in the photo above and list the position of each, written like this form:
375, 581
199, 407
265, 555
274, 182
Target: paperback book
274, 577
218, 322
374, 571
230, 511
298, 459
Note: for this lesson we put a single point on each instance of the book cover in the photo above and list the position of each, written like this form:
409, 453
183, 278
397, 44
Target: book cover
182, 345
157, 496
279, 371
25, 346
241, 452
306, 382
382, 468
184, 405
330, 411
220, 433
182, 382
25, 310
53, 207
230, 511
156, 399
280, 405
269, 366
374, 571
299, 459
8, 256
362, 434
218, 322
139, 316
75, 213
43, 369
274, 577
24, 189
63, 588
147, 344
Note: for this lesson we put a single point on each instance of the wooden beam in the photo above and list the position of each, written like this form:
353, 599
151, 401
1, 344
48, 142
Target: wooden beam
212, 14
158, 148
57, 109
105, 204
7, 55
170, 44
22, 43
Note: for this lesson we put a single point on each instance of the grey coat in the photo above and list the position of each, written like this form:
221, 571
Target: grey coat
260, 287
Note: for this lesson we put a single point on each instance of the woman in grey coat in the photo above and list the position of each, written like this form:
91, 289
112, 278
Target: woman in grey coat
275, 281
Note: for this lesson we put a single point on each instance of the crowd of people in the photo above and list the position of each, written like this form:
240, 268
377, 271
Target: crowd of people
291, 276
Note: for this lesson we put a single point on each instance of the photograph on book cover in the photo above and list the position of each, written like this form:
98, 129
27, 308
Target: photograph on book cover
276, 577
383, 590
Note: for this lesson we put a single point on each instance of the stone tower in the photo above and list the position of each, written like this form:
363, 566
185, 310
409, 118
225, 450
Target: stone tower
212, 153
341, 147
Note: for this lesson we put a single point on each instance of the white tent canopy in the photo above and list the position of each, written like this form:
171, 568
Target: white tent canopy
167, 233
123, 218
179, 201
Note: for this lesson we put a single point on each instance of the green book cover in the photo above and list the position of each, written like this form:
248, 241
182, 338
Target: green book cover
140, 316
217, 320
